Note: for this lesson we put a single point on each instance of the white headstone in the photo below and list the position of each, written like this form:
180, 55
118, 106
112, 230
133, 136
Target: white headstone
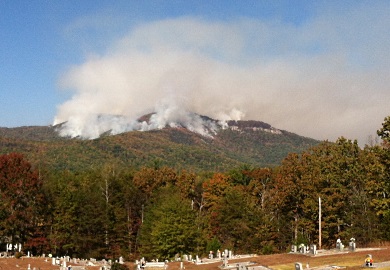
313, 249
352, 246
294, 248
298, 266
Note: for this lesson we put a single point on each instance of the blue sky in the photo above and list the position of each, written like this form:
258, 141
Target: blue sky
316, 68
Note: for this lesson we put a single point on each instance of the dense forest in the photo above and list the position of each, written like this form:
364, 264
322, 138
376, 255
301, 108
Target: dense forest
160, 211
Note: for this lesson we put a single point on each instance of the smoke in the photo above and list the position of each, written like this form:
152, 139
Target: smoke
322, 79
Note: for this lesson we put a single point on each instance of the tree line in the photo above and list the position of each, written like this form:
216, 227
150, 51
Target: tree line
161, 212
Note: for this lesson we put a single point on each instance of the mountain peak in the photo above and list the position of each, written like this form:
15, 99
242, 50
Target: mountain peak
116, 124
211, 126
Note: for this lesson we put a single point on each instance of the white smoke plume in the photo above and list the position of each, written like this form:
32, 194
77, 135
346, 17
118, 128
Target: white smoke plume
322, 79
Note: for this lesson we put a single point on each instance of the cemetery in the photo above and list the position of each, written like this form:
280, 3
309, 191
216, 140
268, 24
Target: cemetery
299, 258
305, 253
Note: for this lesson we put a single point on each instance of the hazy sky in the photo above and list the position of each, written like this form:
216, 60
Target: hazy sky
316, 68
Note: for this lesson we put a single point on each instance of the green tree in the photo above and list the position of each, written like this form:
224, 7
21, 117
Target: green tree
344, 176
125, 215
169, 226
384, 131
64, 233
234, 221
382, 201
78, 215
294, 199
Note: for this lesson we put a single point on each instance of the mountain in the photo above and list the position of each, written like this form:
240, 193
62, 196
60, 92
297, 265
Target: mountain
226, 146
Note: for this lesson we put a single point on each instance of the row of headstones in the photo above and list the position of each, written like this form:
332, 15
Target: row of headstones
16, 247
340, 246
141, 264
11, 248
312, 249
64, 261
228, 254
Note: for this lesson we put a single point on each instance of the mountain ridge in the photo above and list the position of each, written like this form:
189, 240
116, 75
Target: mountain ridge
240, 142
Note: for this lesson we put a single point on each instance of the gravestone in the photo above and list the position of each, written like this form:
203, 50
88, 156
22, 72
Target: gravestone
313, 249
298, 266
294, 248
155, 265
225, 262
352, 244
339, 245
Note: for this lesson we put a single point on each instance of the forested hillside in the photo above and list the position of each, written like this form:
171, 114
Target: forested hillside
160, 211
175, 147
